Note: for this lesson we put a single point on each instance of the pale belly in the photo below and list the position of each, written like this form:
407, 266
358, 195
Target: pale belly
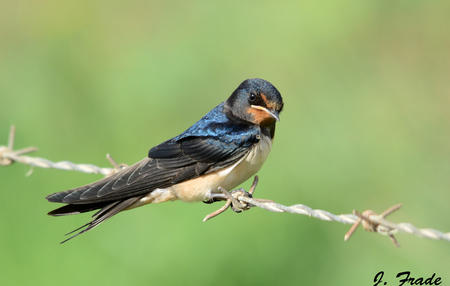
201, 188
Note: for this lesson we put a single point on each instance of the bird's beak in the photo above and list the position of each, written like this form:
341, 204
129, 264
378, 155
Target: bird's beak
274, 114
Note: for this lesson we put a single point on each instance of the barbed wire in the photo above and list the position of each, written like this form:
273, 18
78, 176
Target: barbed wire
240, 200
9, 156
382, 226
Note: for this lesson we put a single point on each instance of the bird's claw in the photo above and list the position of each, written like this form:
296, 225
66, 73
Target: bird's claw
232, 199
237, 205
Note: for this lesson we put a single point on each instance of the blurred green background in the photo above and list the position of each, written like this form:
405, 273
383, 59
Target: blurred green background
366, 125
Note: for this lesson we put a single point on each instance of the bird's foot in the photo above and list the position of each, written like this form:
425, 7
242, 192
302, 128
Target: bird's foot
232, 199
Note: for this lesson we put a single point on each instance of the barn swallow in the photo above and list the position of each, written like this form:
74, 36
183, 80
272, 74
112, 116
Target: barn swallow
225, 148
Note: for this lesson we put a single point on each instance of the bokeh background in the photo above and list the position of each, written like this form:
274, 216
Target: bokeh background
366, 125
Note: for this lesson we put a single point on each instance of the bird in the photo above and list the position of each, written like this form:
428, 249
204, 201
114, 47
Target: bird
222, 150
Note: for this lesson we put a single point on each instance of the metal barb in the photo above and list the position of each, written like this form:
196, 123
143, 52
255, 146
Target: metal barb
352, 229
116, 167
371, 222
11, 137
7, 153
9, 156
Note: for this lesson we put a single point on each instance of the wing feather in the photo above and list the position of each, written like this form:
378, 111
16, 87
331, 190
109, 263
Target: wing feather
171, 162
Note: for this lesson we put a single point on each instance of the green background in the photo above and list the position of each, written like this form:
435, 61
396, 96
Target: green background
366, 125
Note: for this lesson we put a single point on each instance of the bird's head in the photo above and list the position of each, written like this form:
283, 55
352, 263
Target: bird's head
256, 101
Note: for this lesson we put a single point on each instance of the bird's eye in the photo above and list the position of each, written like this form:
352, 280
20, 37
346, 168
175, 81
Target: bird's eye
252, 97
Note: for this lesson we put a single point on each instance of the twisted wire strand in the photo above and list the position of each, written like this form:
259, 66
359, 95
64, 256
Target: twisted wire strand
382, 226
347, 218
62, 165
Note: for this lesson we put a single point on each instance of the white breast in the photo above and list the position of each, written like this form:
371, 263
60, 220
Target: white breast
201, 188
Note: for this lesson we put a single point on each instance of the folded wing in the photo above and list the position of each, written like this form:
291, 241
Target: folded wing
169, 163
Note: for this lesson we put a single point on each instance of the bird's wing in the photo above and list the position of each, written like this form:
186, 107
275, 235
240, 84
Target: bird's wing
169, 163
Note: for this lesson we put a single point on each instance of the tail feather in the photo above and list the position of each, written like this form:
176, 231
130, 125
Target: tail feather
77, 209
107, 210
